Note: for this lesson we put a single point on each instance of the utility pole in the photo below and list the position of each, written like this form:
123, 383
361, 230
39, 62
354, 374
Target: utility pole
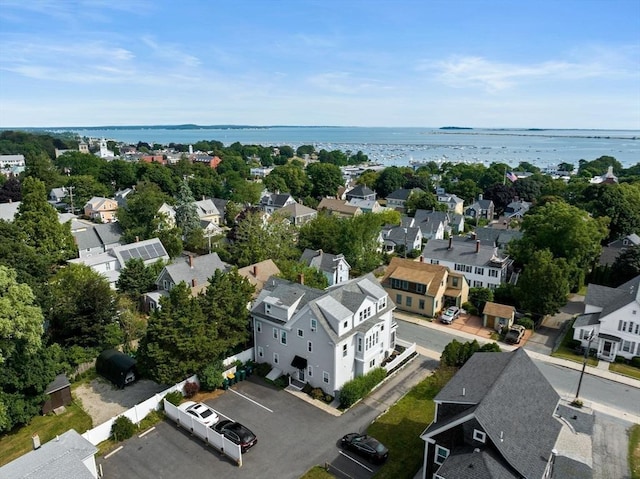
71, 197
584, 362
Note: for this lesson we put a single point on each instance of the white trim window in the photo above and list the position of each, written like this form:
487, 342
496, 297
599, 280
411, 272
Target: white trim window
314, 325
300, 333
309, 346
479, 436
310, 371
325, 377
258, 326
275, 333
283, 337
260, 352
345, 350
441, 454
276, 358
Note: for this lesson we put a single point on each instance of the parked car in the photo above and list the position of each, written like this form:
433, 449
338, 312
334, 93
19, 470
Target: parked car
365, 446
451, 313
200, 411
515, 334
236, 433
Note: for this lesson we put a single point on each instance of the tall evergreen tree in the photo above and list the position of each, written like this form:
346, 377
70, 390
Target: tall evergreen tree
187, 218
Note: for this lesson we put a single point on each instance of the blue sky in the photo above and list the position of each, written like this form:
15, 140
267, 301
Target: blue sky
429, 63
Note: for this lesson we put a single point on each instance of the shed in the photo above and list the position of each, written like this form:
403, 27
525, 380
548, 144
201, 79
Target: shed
59, 391
498, 316
117, 367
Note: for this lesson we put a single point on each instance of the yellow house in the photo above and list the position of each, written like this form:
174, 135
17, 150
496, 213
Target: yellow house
424, 288
103, 209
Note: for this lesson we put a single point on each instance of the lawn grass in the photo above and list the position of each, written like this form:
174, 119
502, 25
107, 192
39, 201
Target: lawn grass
18, 442
317, 472
400, 427
565, 352
625, 369
634, 451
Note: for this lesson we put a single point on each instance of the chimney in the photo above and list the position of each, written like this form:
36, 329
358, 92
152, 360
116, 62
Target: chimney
421, 259
480, 197
301, 278
464, 391
35, 440
450, 242
190, 261
193, 283
477, 245
255, 270
137, 239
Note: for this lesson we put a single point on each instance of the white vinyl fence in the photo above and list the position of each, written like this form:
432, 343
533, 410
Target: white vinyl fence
410, 348
217, 440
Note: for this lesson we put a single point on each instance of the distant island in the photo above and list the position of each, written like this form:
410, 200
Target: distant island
456, 128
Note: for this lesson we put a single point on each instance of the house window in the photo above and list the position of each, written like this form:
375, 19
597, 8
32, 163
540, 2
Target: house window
267, 309
454, 281
314, 325
420, 288
300, 333
359, 345
441, 454
309, 346
493, 273
628, 346
399, 298
345, 350
283, 337
620, 325
310, 371
372, 363
421, 304
435, 261
479, 270
345, 325
382, 303
258, 326
275, 333
479, 436
477, 284
260, 352
408, 301
325, 377
107, 266
276, 358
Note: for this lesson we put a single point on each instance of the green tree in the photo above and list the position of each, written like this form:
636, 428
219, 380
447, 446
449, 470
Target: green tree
325, 179
139, 218
626, 266
389, 180
11, 190
39, 166
187, 218
479, 297
84, 188
423, 201
136, 279
25, 366
456, 354
38, 221
543, 285
292, 269
82, 306
179, 339
619, 202
288, 178
224, 303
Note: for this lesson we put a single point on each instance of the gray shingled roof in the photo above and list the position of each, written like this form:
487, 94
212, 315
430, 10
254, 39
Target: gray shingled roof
586, 320
462, 251
321, 260
403, 193
203, 268
515, 405
483, 464
360, 191
98, 235
60, 458
600, 296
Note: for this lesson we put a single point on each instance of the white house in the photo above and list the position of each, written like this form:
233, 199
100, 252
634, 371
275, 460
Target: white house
333, 266
325, 338
483, 266
612, 319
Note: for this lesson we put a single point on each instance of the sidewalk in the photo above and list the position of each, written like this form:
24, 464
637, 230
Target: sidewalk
593, 371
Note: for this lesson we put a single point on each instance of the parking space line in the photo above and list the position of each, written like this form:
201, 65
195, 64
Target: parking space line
249, 399
113, 452
147, 431
357, 462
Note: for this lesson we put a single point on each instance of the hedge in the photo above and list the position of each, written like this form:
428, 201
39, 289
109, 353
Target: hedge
354, 390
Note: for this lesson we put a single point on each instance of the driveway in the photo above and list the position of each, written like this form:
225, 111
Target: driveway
102, 400
545, 339
610, 448
293, 435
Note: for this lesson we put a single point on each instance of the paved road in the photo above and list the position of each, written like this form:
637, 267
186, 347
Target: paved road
619, 399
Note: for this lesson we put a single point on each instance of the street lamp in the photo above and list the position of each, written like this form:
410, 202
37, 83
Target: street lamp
584, 361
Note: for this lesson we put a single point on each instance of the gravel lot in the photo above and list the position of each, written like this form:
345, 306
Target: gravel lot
102, 400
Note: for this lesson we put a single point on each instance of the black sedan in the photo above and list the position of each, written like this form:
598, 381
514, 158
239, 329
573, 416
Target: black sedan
366, 446
236, 433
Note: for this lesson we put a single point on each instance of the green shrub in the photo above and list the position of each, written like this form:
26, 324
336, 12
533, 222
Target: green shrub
526, 322
635, 361
174, 397
211, 376
621, 359
122, 428
359, 387
151, 419
574, 344
470, 308
317, 393
262, 369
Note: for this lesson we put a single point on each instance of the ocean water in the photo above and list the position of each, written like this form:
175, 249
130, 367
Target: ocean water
404, 146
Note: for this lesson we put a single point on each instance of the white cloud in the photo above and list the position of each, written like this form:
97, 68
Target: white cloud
170, 53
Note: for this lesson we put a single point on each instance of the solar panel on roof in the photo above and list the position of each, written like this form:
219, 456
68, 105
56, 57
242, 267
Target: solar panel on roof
142, 252
126, 255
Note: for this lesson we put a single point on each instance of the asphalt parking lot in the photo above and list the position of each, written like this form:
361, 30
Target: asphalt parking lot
292, 436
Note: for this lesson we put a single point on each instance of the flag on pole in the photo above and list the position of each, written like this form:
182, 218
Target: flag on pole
511, 176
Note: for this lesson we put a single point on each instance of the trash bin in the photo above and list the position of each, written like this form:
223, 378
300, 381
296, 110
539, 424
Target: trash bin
249, 369
225, 384
232, 378
242, 374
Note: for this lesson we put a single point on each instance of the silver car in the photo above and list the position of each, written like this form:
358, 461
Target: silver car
451, 313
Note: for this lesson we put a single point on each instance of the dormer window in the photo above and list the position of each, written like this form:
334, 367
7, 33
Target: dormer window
345, 325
